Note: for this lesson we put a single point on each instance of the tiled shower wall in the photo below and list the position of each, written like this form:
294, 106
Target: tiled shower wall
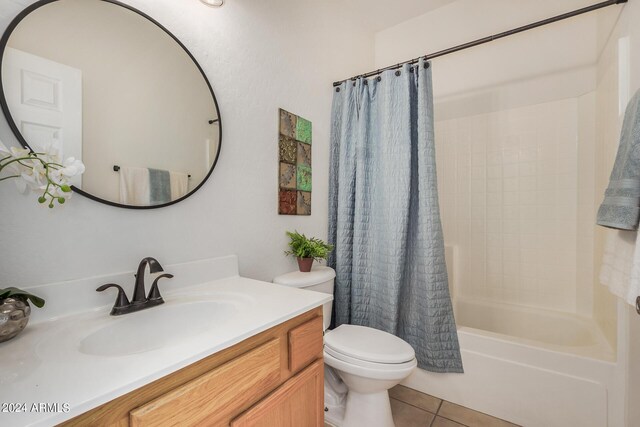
508, 184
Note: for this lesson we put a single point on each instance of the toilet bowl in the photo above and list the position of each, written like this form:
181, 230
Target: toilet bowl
367, 361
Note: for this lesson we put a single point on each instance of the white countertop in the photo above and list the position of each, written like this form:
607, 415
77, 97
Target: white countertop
44, 365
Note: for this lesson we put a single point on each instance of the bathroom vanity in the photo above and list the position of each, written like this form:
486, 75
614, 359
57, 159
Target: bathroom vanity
273, 378
222, 350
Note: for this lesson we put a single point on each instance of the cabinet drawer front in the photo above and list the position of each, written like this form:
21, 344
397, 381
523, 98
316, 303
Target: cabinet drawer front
305, 344
215, 397
297, 403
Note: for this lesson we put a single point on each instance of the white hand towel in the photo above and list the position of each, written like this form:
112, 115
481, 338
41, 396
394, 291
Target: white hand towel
634, 286
179, 185
134, 186
620, 263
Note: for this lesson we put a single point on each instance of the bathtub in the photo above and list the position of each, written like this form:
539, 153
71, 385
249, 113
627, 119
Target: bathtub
548, 329
529, 366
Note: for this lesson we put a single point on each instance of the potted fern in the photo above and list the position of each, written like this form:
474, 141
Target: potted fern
306, 250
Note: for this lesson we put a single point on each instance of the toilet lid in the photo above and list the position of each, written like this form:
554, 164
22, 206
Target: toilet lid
371, 345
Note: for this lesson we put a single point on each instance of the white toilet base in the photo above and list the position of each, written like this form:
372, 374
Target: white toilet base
334, 416
335, 397
371, 410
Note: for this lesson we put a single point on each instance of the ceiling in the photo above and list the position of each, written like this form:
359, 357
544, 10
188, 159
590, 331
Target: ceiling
377, 15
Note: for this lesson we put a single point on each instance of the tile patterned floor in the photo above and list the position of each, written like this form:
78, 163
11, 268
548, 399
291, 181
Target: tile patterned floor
414, 409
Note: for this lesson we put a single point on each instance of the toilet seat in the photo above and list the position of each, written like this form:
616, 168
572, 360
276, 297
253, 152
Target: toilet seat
389, 367
368, 353
370, 370
364, 344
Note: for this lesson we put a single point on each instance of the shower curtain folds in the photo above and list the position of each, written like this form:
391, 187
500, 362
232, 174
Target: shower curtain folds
384, 217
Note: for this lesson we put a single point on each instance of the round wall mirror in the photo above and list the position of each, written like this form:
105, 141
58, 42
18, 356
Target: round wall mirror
104, 83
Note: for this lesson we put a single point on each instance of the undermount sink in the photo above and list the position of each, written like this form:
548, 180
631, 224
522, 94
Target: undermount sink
157, 327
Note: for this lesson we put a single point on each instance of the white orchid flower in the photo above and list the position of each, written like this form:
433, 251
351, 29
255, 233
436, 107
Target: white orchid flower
72, 167
42, 172
20, 152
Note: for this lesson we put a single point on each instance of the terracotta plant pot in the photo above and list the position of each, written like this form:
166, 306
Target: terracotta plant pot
305, 264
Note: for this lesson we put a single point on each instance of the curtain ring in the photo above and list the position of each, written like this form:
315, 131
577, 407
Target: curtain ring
337, 89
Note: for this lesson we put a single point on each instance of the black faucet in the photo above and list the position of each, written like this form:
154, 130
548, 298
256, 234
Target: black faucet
140, 301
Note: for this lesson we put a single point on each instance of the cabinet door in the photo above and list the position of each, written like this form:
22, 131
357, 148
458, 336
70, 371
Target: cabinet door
214, 398
305, 344
297, 403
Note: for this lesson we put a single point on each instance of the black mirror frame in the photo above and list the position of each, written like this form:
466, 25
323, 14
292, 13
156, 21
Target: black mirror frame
7, 113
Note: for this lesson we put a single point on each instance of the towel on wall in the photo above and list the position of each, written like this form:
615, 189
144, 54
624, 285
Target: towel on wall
620, 270
134, 186
179, 185
621, 206
159, 187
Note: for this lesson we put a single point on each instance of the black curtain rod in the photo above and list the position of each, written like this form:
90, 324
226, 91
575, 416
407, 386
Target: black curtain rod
490, 38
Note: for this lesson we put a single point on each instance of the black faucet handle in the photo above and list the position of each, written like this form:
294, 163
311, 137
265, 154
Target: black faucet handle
121, 299
154, 293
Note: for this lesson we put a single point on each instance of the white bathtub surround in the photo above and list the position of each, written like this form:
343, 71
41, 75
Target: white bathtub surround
531, 368
60, 344
509, 198
528, 365
524, 384
546, 329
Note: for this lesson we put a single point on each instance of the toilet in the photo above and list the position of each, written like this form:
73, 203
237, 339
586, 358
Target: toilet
361, 363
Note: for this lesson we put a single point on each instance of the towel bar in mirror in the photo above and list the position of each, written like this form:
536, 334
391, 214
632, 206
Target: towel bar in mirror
105, 83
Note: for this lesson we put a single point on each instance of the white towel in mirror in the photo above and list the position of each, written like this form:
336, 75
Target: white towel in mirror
179, 185
134, 186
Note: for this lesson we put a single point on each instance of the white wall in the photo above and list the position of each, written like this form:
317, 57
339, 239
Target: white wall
259, 56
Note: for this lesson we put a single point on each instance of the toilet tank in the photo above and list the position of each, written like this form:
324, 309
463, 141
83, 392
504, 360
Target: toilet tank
319, 279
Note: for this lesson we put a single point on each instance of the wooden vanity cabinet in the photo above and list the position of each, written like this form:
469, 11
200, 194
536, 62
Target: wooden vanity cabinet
274, 379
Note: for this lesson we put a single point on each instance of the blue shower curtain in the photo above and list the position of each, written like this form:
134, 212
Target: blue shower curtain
384, 218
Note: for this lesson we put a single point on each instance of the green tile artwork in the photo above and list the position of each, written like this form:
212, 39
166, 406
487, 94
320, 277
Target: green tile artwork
303, 130
304, 178
294, 171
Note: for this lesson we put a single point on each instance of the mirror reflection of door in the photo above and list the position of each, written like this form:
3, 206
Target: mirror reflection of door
45, 98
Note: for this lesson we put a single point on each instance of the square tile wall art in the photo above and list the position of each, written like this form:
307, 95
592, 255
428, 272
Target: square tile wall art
294, 173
